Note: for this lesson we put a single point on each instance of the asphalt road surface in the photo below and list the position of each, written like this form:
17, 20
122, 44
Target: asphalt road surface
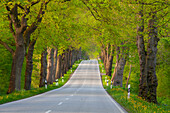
83, 93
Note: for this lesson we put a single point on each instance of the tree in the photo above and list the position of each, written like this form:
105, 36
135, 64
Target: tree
149, 12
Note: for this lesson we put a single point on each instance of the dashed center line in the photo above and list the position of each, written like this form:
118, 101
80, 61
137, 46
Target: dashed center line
60, 103
67, 98
48, 111
71, 95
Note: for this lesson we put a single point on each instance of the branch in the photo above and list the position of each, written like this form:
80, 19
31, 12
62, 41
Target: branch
14, 16
10, 26
153, 3
91, 11
33, 3
94, 28
8, 8
20, 7
6, 46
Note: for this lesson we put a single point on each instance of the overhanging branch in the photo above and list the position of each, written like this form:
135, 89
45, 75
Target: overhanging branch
6, 46
91, 11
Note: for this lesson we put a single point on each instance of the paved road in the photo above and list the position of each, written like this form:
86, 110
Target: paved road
83, 93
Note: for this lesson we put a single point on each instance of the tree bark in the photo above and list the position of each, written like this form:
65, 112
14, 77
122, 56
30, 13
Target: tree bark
129, 75
58, 72
55, 65
148, 79
66, 62
73, 57
63, 64
29, 65
117, 77
70, 60
151, 60
109, 60
143, 89
43, 72
105, 57
18, 59
50, 65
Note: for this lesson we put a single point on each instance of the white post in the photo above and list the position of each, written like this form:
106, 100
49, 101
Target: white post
71, 70
45, 84
62, 79
107, 82
105, 79
56, 82
102, 70
111, 85
128, 91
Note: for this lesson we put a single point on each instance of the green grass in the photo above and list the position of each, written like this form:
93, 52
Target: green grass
135, 104
17, 95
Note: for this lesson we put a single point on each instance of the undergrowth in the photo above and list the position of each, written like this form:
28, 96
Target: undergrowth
134, 104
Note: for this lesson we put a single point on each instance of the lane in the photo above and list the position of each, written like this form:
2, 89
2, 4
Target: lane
83, 93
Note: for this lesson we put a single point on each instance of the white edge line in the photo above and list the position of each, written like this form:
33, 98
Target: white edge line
60, 103
117, 105
2, 105
48, 111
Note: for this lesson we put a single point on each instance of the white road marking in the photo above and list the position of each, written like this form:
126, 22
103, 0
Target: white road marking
60, 103
48, 111
115, 103
71, 95
67, 98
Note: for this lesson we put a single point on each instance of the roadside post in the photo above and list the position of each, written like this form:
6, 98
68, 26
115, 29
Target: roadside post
105, 79
111, 85
56, 82
71, 70
62, 79
45, 84
128, 91
107, 82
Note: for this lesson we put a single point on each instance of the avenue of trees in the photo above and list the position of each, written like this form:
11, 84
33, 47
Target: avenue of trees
124, 25
41, 39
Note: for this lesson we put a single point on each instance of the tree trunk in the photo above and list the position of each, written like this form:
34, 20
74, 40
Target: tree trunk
128, 75
115, 72
29, 65
73, 57
151, 60
119, 68
70, 60
116, 65
58, 72
109, 61
143, 89
17, 62
148, 79
63, 64
50, 65
43, 72
79, 53
105, 58
55, 64
66, 62
118, 79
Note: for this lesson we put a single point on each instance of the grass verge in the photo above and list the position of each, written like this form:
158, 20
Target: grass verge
17, 95
134, 104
